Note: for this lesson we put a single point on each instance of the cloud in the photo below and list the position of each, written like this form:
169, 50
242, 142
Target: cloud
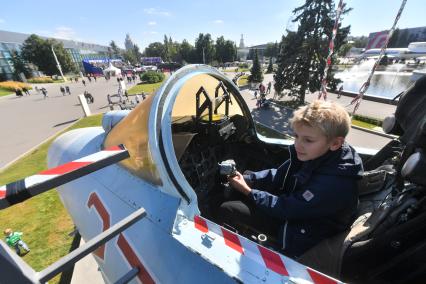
150, 33
2, 20
153, 11
152, 23
64, 33
219, 22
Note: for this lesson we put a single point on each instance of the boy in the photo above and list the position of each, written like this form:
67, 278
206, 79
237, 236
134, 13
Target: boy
14, 240
313, 195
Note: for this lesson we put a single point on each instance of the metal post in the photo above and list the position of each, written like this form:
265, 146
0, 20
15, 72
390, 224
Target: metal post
58, 65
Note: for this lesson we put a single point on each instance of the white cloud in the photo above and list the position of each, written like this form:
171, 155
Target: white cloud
2, 21
64, 33
150, 33
153, 11
219, 22
152, 23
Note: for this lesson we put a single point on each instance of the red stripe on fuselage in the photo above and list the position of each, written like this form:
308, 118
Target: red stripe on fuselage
103, 213
318, 278
232, 241
200, 224
65, 168
273, 261
133, 260
113, 148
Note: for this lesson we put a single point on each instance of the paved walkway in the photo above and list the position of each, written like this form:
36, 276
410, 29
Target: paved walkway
29, 120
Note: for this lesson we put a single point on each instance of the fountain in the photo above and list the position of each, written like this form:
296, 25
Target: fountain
387, 83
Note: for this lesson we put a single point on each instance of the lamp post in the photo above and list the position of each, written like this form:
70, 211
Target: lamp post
58, 65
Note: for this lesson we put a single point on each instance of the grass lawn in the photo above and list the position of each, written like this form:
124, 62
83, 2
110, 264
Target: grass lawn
146, 88
4, 92
43, 219
364, 124
243, 80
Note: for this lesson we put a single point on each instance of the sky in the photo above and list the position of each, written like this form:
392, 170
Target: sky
148, 21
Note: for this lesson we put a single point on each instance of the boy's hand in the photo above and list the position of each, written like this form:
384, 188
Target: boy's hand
239, 183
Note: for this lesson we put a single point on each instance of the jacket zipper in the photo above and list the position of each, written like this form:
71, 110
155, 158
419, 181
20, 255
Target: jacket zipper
286, 222
282, 188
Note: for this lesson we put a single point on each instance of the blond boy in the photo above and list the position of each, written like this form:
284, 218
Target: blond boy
311, 196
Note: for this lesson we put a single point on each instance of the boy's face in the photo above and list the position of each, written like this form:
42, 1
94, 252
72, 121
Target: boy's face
311, 143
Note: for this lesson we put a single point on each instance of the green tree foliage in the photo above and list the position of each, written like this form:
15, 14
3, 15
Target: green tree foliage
344, 49
166, 53
187, 52
115, 51
225, 50
271, 50
256, 75
154, 49
204, 49
129, 56
360, 42
19, 66
39, 52
270, 68
303, 55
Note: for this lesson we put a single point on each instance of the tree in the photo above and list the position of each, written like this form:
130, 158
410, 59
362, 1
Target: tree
271, 50
39, 52
301, 69
154, 49
361, 42
165, 54
19, 66
129, 56
187, 52
344, 49
270, 66
114, 49
204, 48
256, 75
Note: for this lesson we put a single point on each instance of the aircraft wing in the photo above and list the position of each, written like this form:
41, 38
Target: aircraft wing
28, 187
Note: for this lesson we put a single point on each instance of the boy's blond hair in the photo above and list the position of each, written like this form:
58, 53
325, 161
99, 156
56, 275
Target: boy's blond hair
332, 119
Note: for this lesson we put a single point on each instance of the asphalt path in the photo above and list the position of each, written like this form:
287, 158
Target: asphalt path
29, 120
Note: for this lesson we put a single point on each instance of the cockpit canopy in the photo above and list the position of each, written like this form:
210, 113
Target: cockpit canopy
198, 95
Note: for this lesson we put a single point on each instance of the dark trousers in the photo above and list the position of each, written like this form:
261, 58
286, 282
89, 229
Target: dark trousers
243, 213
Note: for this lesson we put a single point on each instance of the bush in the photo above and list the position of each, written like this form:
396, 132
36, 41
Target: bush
13, 85
243, 65
151, 77
367, 119
41, 80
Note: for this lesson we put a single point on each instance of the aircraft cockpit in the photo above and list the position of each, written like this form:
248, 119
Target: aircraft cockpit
178, 138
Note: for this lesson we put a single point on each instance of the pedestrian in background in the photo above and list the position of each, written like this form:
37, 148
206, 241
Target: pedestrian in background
44, 91
62, 90
67, 89
26, 91
14, 240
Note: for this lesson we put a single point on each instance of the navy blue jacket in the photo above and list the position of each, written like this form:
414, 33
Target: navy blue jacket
314, 199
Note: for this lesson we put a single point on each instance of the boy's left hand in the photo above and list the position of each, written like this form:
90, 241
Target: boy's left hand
239, 183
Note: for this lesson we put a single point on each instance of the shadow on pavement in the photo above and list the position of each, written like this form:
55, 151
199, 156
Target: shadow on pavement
66, 122
275, 117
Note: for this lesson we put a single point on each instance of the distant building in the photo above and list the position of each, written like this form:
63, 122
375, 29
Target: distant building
241, 46
11, 41
128, 43
403, 38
